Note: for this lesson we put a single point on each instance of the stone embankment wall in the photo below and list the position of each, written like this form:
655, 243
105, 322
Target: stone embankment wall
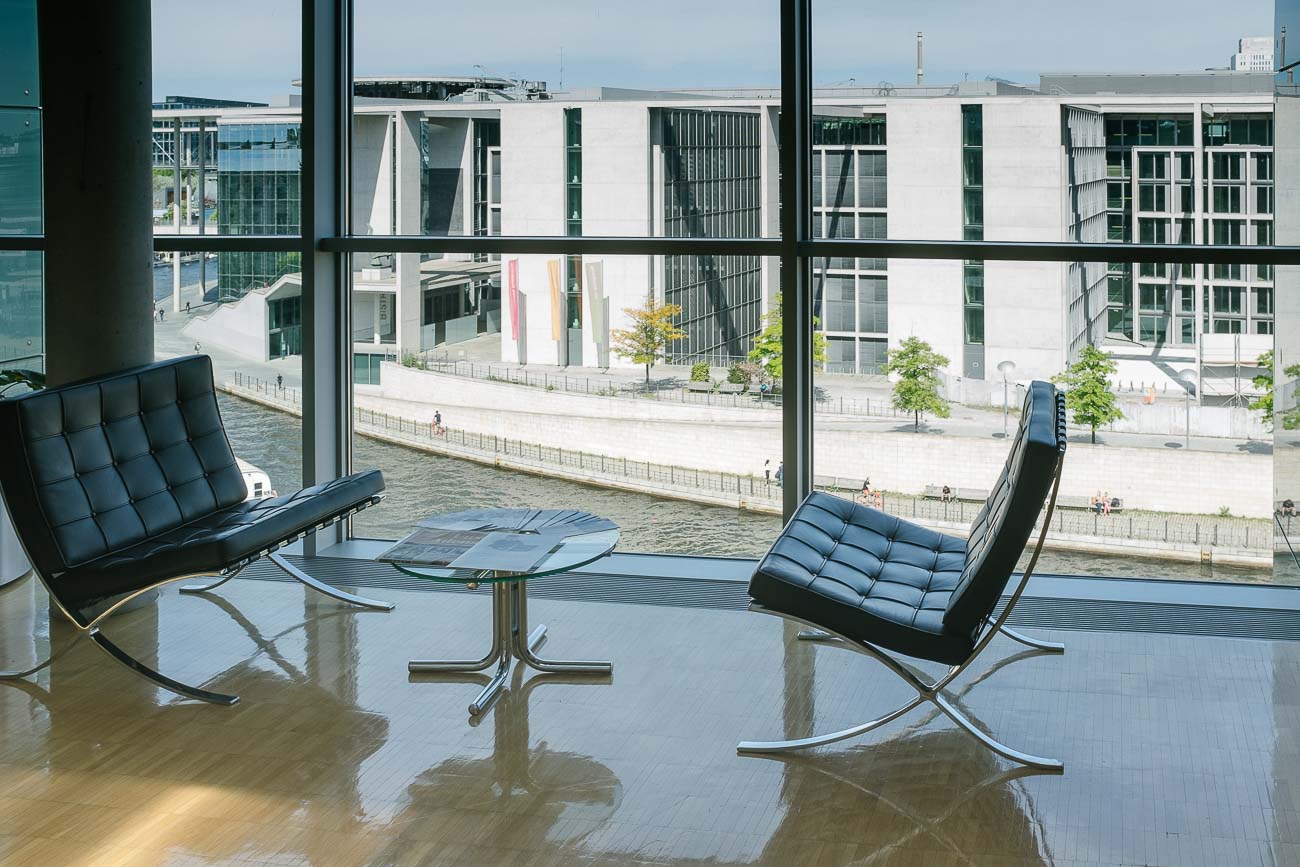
740, 440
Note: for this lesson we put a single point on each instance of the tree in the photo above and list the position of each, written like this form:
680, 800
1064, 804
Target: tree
1264, 381
1087, 389
652, 330
768, 349
917, 390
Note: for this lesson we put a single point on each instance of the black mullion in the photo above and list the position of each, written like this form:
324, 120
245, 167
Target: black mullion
796, 275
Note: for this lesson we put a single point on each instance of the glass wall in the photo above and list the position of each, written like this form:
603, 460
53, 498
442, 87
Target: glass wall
1178, 484
227, 160
686, 459
22, 331
984, 145
983, 141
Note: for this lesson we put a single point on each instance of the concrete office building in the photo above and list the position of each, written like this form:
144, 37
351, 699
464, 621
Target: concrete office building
1150, 158
1254, 54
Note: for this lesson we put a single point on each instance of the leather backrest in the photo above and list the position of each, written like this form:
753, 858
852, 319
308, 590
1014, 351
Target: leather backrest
101, 464
1004, 524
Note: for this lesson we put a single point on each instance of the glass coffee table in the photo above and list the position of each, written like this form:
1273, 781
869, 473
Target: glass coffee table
511, 639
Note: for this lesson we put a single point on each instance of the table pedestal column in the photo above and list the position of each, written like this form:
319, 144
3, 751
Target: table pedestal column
511, 641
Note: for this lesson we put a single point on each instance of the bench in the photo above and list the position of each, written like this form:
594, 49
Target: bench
699, 387
732, 388
968, 495
1077, 502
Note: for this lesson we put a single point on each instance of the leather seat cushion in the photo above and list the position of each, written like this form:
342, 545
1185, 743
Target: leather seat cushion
217, 540
867, 575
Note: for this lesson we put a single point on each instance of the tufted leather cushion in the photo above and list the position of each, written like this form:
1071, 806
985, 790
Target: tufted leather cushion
891, 583
109, 462
217, 540
120, 482
866, 575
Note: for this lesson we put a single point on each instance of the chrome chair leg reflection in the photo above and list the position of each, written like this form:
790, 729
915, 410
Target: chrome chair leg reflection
15, 674
91, 631
511, 641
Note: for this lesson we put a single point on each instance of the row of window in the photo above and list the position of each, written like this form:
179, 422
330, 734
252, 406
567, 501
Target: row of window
1180, 132
1179, 198
972, 140
848, 131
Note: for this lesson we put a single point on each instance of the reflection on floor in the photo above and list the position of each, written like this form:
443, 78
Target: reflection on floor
1178, 750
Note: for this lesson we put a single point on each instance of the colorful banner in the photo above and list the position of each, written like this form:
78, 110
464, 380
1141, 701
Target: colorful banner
512, 292
557, 300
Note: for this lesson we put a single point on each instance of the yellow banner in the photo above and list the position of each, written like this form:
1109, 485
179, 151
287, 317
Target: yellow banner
557, 300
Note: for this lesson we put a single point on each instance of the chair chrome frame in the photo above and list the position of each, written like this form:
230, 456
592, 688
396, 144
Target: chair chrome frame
92, 631
931, 691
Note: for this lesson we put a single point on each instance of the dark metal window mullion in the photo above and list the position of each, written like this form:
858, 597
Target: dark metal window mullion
796, 268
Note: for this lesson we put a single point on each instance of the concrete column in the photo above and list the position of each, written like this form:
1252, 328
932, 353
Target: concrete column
96, 85
409, 293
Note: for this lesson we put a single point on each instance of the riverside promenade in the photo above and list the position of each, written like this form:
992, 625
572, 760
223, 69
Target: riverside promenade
1195, 538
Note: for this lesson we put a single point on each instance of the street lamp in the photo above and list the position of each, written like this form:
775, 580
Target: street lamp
1189, 380
1006, 367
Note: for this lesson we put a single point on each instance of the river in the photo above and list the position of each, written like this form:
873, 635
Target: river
421, 484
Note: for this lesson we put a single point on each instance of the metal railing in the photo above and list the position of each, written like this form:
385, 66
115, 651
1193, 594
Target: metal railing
757, 491
672, 391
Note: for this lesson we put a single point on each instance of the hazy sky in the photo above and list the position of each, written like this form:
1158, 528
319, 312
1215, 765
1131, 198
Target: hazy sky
250, 49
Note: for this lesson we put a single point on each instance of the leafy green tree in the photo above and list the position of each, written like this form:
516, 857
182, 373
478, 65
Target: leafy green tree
652, 330
917, 366
1088, 395
768, 351
1264, 381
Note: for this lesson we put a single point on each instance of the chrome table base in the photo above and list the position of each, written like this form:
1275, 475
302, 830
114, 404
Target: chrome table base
511, 641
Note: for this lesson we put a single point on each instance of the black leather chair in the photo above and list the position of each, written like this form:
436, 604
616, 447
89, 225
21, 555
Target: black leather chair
876, 583
120, 484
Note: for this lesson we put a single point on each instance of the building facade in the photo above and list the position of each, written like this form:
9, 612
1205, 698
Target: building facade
1093, 158
1254, 54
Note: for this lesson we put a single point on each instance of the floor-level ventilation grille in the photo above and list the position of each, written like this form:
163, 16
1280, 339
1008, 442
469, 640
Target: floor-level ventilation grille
1056, 613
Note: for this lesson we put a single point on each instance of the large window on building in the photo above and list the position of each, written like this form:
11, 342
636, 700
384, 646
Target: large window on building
22, 332
508, 220
227, 154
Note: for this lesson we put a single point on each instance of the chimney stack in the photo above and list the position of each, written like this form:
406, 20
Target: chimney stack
920, 70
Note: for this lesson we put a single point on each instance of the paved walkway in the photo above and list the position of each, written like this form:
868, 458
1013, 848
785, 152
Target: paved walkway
965, 421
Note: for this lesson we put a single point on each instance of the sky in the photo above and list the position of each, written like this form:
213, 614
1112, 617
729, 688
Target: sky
250, 49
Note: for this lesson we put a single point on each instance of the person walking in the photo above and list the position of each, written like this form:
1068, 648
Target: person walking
767, 471
780, 473
279, 382
438, 429
187, 308
162, 314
